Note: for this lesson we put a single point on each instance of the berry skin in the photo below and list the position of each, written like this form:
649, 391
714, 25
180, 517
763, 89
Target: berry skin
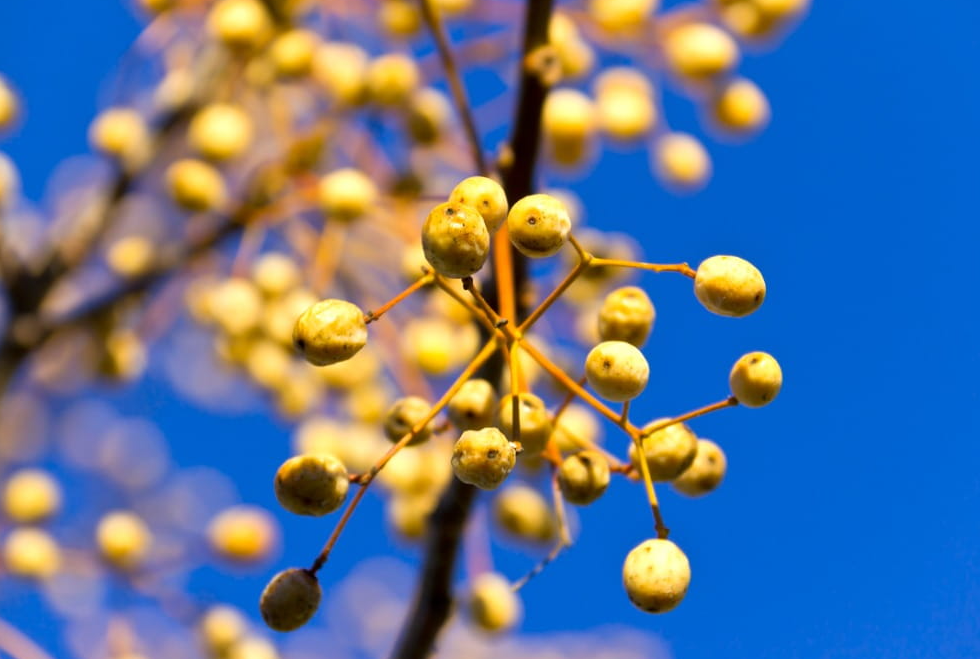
404, 415
741, 107
31, 496
391, 79
346, 194
311, 484
292, 52
699, 51
290, 599
473, 405
705, 473
568, 122
483, 458
220, 132
539, 225
523, 512
756, 379
455, 240
493, 605
240, 24
123, 539
617, 370
330, 331
243, 534
31, 553
681, 162
486, 196
535, 421
195, 185
729, 286
221, 627
656, 575
121, 133
669, 451
399, 18
340, 68
627, 314
583, 477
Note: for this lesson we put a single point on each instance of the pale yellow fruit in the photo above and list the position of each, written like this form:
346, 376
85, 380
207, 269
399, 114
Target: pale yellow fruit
236, 305
705, 473
680, 160
125, 355
341, 70
523, 512
455, 240
123, 539
729, 286
31, 496
408, 514
625, 115
31, 553
330, 331
656, 575
668, 451
576, 428
391, 79
626, 314
568, 123
346, 194
741, 106
311, 484
399, 18
220, 132
486, 196
253, 647
483, 458
538, 225
221, 627
276, 274
617, 370
493, 605
429, 115
403, 417
243, 534
290, 599
622, 15
583, 477
240, 24
195, 185
9, 105
292, 52
533, 418
699, 51
122, 134
453, 7
756, 379
132, 256
473, 406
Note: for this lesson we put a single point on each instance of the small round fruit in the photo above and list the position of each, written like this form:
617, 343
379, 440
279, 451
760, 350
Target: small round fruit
539, 225
31, 496
290, 599
312, 484
240, 24
195, 185
121, 133
535, 421
700, 50
729, 286
493, 605
681, 161
292, 52
521, 511
583, 477
668, 451
391, 79
756, 379
705, 473
617, 370
330, 331
244, 534
621, 16
9, 105
455, 240
486, 196
627, 314
428, 115
483, 458
221, 627
123, 539
472, 407
741, 106
346, 194
656, 575
404, 415
31, 553
220, 131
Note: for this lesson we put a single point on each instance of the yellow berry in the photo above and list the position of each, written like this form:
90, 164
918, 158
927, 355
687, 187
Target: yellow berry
330, 331
346, 194
617, 370
311, 484
538, 225
123, 539
700, 50
483, 458
409, 513
221, 627
399, 18
404, 415
452, 7
292, 52
583, 477
391, 79
626, 314
31, 496
290, 599
122, 134
535, 421
741, 106
240, 24
576, 428
568, 123
242, 533
729, 286
621, 15
455, 240
9, 105
668, 451
486, 196
132, 256
341, 69
9, 181
31, 553
276, 275
473, 406
523, 512
125, 355
253, 647
656, 575
756, 379
195, 185
705, 473
429, 114
220, 131
680, 160
493, 605
624, 100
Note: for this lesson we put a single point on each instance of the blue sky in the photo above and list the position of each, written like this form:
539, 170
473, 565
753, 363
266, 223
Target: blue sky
848, 524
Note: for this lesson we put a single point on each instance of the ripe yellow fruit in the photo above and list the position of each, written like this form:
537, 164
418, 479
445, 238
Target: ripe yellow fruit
221, 627
290, 599
404, 415
486, 196
483, 458
346, 194
538, 225
625, 16
243, 534
240, 24
220, 131
568, 122
125, 355
429, 114
574, 53
330, 331
668, 451
533, 417
235, 305
122, 134
123, 539
624, 100
656, 575
740, 106
399, 18
391, 79
253, 647
276, 275
31, 496
453, 7
681, 161
583, 477
729, 286
292, 52
31, 553
9, 181
493, 605
699, 51
195, 185
455, 240
705, 473
473, 406
577, 427
617, 370
521, 511
341, 69
132, 256
9, 105
756, 379
311, 484
408, 514
626, 314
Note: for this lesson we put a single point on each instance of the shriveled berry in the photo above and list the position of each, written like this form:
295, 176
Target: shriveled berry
756, 379
617, 370
705, 473
330, 331
290, 599
483, 458
538, 225
583, 477
311, 484
656, 575
455, 240
729, 286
